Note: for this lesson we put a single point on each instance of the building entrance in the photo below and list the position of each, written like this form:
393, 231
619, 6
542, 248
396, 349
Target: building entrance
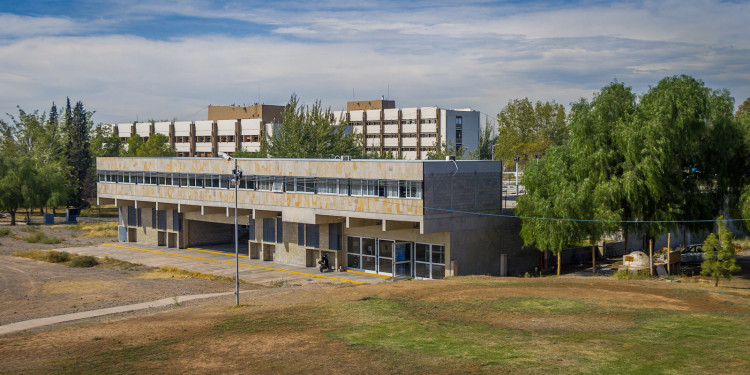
399, 258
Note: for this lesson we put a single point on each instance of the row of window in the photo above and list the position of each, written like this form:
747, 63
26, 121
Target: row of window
394, 122
310, 185
403, 135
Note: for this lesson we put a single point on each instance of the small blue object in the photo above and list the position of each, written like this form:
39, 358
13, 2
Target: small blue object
49, 218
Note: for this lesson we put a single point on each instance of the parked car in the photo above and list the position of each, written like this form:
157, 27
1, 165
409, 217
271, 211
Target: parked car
692, 254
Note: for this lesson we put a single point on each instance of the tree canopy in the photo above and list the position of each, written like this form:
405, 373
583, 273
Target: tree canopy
526, 130
310, 132
663, 158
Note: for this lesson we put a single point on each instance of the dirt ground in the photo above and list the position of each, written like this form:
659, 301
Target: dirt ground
33, 289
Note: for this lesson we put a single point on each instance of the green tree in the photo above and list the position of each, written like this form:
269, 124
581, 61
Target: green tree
248, 154
444, 150
77, 125
17, 177
104, 143
719, 256
310, 132
526, 130
679, 152
551, 197
156, 145
487, 143
133, 144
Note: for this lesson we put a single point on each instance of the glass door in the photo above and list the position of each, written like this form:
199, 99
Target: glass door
385, 257
403, 258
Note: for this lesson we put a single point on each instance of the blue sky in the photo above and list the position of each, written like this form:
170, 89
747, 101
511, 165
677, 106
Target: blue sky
140, 60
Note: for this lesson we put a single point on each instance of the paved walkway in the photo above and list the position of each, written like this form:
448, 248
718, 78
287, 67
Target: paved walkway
222, 263
41, 322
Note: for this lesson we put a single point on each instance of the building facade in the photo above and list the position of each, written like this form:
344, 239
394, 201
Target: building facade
421, 219
410, 133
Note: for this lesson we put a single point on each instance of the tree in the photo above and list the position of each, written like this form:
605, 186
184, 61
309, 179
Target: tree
526, 130
667, 158
310, 132
134, 143
718, 253
487, 143
679, 154
551, 198
248, 154
156, 145
77, 124
16, 184
444, 150
104, 143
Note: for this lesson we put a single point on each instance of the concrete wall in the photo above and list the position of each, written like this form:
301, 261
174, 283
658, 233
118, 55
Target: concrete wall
207, 233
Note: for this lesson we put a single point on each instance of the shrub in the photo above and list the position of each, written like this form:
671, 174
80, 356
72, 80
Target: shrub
4, 232
57, 257
37, 237
634, 275
83, 261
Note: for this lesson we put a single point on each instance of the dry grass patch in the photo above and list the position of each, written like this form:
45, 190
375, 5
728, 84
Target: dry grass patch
96, 229
67, 286
171, 272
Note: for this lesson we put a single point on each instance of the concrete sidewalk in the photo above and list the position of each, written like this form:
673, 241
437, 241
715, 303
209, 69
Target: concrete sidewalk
41, 322
222, 263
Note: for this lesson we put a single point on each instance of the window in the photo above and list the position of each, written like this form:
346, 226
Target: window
312, 235
279, 231
251, 228
300, 234
459, 122
269, 229
459, 134
334, 236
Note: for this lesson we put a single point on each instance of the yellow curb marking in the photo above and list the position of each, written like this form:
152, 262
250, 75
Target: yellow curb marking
241, 264
162, 252
214, 252
368, 274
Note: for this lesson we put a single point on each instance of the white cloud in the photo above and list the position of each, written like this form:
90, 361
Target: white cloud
16, 26
473, 56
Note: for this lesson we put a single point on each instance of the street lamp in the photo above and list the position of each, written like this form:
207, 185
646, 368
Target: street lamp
516, 159
236, 176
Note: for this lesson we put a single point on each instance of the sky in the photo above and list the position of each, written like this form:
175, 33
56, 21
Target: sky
135, 60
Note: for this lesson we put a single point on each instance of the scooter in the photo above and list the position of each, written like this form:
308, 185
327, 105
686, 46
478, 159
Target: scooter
324, 262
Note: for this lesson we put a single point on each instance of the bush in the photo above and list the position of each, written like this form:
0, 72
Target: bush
83, 261
4, 232
37, 237
634, 275
57, 257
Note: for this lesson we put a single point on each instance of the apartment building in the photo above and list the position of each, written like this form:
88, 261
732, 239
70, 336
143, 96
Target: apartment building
420, 219
410, 133
228, 129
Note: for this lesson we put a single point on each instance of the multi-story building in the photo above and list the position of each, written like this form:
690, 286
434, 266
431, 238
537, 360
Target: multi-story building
410, 133
422, 219
228, 129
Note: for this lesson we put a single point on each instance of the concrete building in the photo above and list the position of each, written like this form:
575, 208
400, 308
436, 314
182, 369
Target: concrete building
228, 129
410, 133
421, 219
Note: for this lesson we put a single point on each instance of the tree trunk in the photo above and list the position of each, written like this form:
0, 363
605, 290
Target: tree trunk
13, 217
593, 258
716, 284
625, 236
651, 256
558, 262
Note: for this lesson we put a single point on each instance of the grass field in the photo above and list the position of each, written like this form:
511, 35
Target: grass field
460, 325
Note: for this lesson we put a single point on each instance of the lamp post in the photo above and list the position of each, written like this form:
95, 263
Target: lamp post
516, 159
236, 176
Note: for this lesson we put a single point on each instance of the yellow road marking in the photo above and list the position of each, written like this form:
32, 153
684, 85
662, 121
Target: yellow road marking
241, 264
162, 252
299, 273
215, 252
368, 274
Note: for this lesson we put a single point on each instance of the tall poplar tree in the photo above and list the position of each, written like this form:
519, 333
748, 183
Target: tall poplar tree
77, 128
